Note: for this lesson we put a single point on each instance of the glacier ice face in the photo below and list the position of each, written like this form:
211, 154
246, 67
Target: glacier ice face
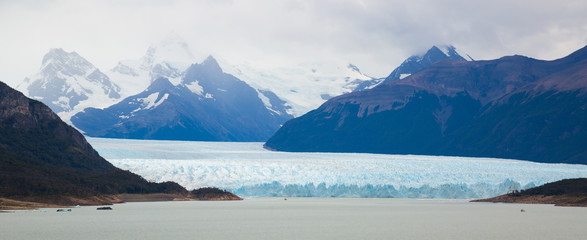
249, 170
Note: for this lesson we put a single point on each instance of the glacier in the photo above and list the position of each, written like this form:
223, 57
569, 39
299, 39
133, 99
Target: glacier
249, 170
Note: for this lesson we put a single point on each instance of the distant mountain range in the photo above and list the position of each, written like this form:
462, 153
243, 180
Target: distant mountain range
44, 159
207, 105
306, 87
513, 107
124, 102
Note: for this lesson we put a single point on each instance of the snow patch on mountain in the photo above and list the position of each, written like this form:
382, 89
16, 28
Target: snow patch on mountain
265, 100
151, 101
404, 75
195, 88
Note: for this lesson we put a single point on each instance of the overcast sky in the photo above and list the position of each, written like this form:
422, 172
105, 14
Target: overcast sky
374, 35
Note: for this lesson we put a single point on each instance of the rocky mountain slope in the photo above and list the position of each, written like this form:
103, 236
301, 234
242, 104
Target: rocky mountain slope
513, 107
44, 159
207, 105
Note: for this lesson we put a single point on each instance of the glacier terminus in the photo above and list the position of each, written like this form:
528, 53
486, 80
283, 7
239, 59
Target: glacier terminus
248, 170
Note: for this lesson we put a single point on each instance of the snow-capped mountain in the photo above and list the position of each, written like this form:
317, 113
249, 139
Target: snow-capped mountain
416, 63
292, 90
68, 83
207, 105
304, 87
168, 58
361, 81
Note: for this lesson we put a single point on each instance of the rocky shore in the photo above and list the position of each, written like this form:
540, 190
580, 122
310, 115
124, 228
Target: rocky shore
568, 192
213, 194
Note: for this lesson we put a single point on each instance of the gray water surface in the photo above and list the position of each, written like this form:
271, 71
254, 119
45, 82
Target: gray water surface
301, 218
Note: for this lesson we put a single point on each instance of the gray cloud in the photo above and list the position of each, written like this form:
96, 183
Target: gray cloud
375, 35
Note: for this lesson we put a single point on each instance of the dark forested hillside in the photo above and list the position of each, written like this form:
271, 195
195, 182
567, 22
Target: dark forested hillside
42, 158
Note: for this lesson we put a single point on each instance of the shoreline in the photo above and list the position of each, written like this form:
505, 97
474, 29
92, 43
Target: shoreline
7, 204
558, 201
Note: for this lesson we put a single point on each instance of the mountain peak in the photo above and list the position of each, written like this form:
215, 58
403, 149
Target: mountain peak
58, 56
211, 63
441, 52
416, 63
67, 83
173, 50
54, 52
452, 52
59, 52
353, 68
210, 60
160, 84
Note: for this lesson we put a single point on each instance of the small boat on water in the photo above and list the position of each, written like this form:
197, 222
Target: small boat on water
104, 208
63, 210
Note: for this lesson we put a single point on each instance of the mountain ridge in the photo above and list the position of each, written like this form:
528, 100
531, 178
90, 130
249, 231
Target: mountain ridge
435, 112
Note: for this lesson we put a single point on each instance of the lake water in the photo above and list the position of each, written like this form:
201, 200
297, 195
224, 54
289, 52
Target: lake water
302, 218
